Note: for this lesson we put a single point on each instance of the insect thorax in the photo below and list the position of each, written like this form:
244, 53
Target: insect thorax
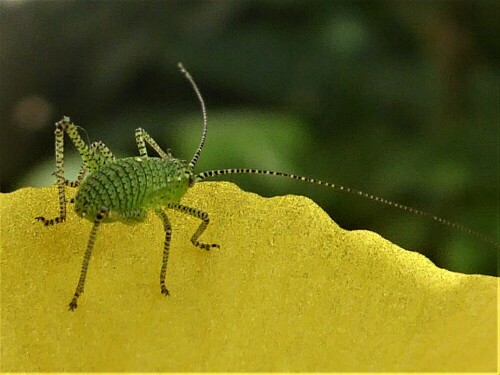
131, 185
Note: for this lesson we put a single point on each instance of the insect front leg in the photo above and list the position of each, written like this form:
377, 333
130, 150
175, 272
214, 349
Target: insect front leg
141, 137
166, 249
200, 215
86, 258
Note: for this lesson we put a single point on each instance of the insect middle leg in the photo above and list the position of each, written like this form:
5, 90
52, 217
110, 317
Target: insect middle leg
200, 215
141, 137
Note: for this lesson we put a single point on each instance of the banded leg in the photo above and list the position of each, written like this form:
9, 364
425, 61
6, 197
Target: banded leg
200, 215
79, 179
166, 249
93, 157
86, 258
141, 137
59, 150
101, 153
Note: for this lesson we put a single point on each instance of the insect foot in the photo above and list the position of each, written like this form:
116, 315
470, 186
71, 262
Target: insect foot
73, 305
48, 222
206, 246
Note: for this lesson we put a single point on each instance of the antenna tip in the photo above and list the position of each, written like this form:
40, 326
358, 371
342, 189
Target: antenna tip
181, 67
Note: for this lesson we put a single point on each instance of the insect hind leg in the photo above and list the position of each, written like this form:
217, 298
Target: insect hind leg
93, 157
101, 152
166, 249
59, 173
203, 225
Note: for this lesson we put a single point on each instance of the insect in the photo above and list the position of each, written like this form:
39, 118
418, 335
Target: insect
111, 189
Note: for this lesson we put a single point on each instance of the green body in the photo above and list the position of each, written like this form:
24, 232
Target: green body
129, 187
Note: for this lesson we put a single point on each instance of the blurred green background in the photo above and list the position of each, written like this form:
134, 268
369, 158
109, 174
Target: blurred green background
399, 99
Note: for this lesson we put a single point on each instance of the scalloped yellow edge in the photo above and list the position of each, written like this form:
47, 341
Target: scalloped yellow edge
288, 291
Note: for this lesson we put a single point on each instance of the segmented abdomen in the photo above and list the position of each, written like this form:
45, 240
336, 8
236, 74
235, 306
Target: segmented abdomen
132, 184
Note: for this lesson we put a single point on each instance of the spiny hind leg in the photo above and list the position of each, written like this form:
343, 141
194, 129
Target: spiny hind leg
200, 215
59, 173
101, 153
166, 249
93, 156
86, 258
142, 137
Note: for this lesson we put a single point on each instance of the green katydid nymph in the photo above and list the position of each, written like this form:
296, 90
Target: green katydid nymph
111, 189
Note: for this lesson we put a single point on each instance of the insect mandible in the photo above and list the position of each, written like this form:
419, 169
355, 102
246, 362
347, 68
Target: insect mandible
124, 190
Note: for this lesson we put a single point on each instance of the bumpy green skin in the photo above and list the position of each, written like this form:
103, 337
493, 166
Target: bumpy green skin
127, 188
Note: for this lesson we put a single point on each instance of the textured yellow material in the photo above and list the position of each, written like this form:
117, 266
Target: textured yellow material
288, 291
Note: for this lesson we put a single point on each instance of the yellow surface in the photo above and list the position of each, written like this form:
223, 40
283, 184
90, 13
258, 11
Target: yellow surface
288, 291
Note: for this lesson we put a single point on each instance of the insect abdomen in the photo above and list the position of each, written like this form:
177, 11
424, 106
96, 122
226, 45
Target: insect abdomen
132, 184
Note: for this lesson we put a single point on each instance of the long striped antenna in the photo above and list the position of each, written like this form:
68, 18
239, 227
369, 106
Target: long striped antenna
194, 160
218, 172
